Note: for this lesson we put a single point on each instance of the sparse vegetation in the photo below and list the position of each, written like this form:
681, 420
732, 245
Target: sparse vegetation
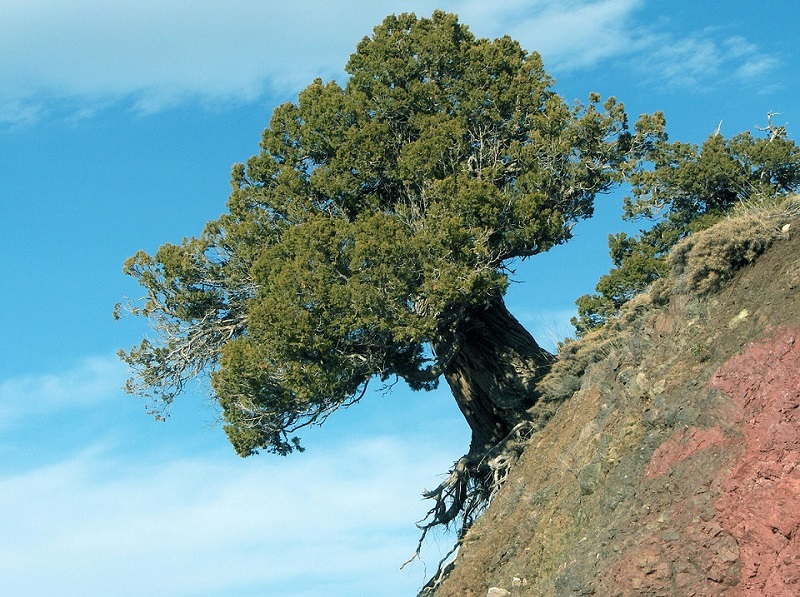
701, 351
704, 262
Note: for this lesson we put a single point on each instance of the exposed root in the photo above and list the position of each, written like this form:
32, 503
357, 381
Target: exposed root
468, 489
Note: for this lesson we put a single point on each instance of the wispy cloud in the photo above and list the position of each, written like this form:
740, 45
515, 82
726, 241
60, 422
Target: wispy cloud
158, 53
584, 34
155, 54
702, 59
93, 525
109, 513
92, 380
572, 35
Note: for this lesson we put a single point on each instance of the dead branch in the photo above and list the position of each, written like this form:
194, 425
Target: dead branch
775, 131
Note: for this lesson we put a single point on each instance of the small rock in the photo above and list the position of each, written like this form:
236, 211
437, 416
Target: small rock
588, 478
516, 586
670, 536
659, 387
743, 314
497, 592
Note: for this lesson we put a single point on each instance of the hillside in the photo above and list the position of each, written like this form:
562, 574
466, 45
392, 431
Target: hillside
672, 464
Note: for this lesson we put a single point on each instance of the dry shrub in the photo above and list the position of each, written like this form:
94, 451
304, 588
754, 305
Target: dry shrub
789, 210
705, 261
574, 357
769, 206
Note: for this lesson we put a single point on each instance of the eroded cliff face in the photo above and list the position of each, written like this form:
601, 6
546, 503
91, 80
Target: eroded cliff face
674, 466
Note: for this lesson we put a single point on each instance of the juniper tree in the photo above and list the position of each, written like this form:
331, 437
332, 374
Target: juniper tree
684, 188
371, 237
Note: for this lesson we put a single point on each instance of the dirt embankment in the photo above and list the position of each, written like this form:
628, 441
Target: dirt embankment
674, 466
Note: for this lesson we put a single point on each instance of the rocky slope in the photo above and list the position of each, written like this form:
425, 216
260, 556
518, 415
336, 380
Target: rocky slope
672, 465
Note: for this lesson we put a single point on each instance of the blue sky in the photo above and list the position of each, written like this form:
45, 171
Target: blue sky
119, 123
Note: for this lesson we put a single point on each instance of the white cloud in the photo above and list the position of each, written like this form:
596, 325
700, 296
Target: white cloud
580, 35
124, 515
158, 53
701, 59
91, 381
757, 67
577, 34
335, 524
683, 63
154, 54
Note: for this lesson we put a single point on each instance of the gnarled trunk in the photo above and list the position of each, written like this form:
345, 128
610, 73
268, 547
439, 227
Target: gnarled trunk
493, 374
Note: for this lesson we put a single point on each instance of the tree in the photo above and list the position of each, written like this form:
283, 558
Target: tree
685, 188
371, 238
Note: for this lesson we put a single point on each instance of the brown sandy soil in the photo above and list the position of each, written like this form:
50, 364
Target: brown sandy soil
674, 469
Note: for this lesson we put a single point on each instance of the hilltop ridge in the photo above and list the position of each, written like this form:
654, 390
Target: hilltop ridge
672, 463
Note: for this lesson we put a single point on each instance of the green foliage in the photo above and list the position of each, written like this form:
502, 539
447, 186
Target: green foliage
375, 216
700, 351
686, 189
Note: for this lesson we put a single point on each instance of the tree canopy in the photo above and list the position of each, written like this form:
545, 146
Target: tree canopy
375, 219
372, 238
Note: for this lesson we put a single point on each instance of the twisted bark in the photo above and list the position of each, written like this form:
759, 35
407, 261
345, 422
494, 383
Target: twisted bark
493, 377
494, 373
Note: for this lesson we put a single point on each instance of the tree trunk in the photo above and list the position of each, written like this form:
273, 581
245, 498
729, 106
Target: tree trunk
493, 374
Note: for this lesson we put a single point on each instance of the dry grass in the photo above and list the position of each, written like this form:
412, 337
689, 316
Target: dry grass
704, 262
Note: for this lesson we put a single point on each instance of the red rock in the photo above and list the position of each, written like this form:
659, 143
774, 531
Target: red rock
760, 497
